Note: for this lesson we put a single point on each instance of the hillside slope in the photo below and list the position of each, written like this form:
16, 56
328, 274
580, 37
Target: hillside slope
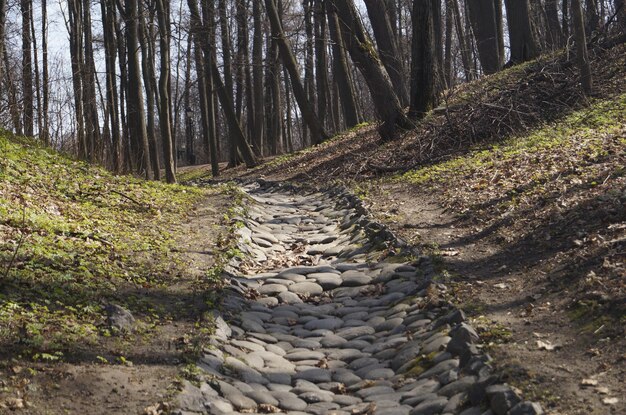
77, 247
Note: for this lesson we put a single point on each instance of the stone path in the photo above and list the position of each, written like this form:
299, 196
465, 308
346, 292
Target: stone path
340, 331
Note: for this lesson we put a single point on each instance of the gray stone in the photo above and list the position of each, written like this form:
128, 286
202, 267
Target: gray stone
501, 398
289, 401
430, 406
332, 323
262, 397
272, 289
526, 408
314, 375
354, 332
119, 319
306, 288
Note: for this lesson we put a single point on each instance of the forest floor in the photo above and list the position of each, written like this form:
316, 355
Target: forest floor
517, 187
76, 240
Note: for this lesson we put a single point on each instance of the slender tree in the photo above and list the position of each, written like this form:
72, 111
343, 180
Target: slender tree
45, 134
289, 61
165, 107
358, 43
210, 138
26, 8
581, 46
378, 12
3, 18
424, 62
257, 76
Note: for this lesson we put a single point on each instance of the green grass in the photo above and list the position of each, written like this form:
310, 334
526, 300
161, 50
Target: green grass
581, 132
81, 238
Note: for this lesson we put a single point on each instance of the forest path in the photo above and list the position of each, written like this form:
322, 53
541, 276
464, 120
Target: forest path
326, 322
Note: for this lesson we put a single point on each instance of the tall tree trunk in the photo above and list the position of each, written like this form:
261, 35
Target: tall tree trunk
92, 120
592, 19
108, 23
357, 41
125, 145
74, 28
12, 95
45, 134
135, 100
321, 61
3, 19
37, 77
26, 8
389, 53
500, 29
165, 108
484, 25
581, 47
309, 83
228, 67
211, 139
190, 155
565, 21
274, 107
424, 62
289, 61
620, 9
341, 72
463, 40
447, 62
257, 75
523, 44
555, 34
149, 77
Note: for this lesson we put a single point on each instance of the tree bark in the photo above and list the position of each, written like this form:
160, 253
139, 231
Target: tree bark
26, 8
321, 61
581, 47
364, 56
447, 61
343, 80
484, 25
424, 61
257, 75
165, 114
3, 18
555, 34
523, 45
389, 53
211, 138
44, 134
274, 107
463, 40
289, 61
92, 120
135, 100
108, 23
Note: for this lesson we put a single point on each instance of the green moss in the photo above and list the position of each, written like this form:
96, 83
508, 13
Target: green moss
81, 238
581, 131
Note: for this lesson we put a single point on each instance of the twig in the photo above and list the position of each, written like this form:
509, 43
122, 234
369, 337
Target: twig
143, 205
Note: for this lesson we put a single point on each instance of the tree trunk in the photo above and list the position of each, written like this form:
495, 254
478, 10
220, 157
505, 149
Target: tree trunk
289, 61
424, 61
447, 61
135, 100
321, 69
364, 56
165, 114
149, 80
463, 40
592, 19
309, 82
208, 14
3, 18
228, 67
74, 29
500, 29
92, 120
108, 23
257, 75
523, 45
37, 75
343, 80
45, 134
620, 9
555, 34
565, 21
12, 96
388, 47
26, 8
581, 47
274, 107
484, 25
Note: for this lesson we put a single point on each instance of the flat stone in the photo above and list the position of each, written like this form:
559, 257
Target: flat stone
355, 279
262, 397
314, 375
430, 407
304, 355
327, 280
332, 323
306, 288
354, 332
288, 297
526, 408
461, 385
289, 401
272, 289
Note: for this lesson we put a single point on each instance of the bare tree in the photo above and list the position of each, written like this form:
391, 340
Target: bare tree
358, 43
423, 60
26, 8
581, 46
289, 61
485, 27
523, 44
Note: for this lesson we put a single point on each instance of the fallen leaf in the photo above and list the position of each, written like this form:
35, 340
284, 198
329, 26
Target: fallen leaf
610, 401
589, 382
546, 345
502, 286
603, 390
15, 403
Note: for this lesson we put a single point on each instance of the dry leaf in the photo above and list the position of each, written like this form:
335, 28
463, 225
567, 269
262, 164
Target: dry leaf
589, 382
610, 401
546, 345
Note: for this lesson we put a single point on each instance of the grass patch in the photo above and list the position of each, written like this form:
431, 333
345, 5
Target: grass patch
74, 237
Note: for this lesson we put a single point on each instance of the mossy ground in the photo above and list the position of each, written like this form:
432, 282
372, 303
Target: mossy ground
74, 238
